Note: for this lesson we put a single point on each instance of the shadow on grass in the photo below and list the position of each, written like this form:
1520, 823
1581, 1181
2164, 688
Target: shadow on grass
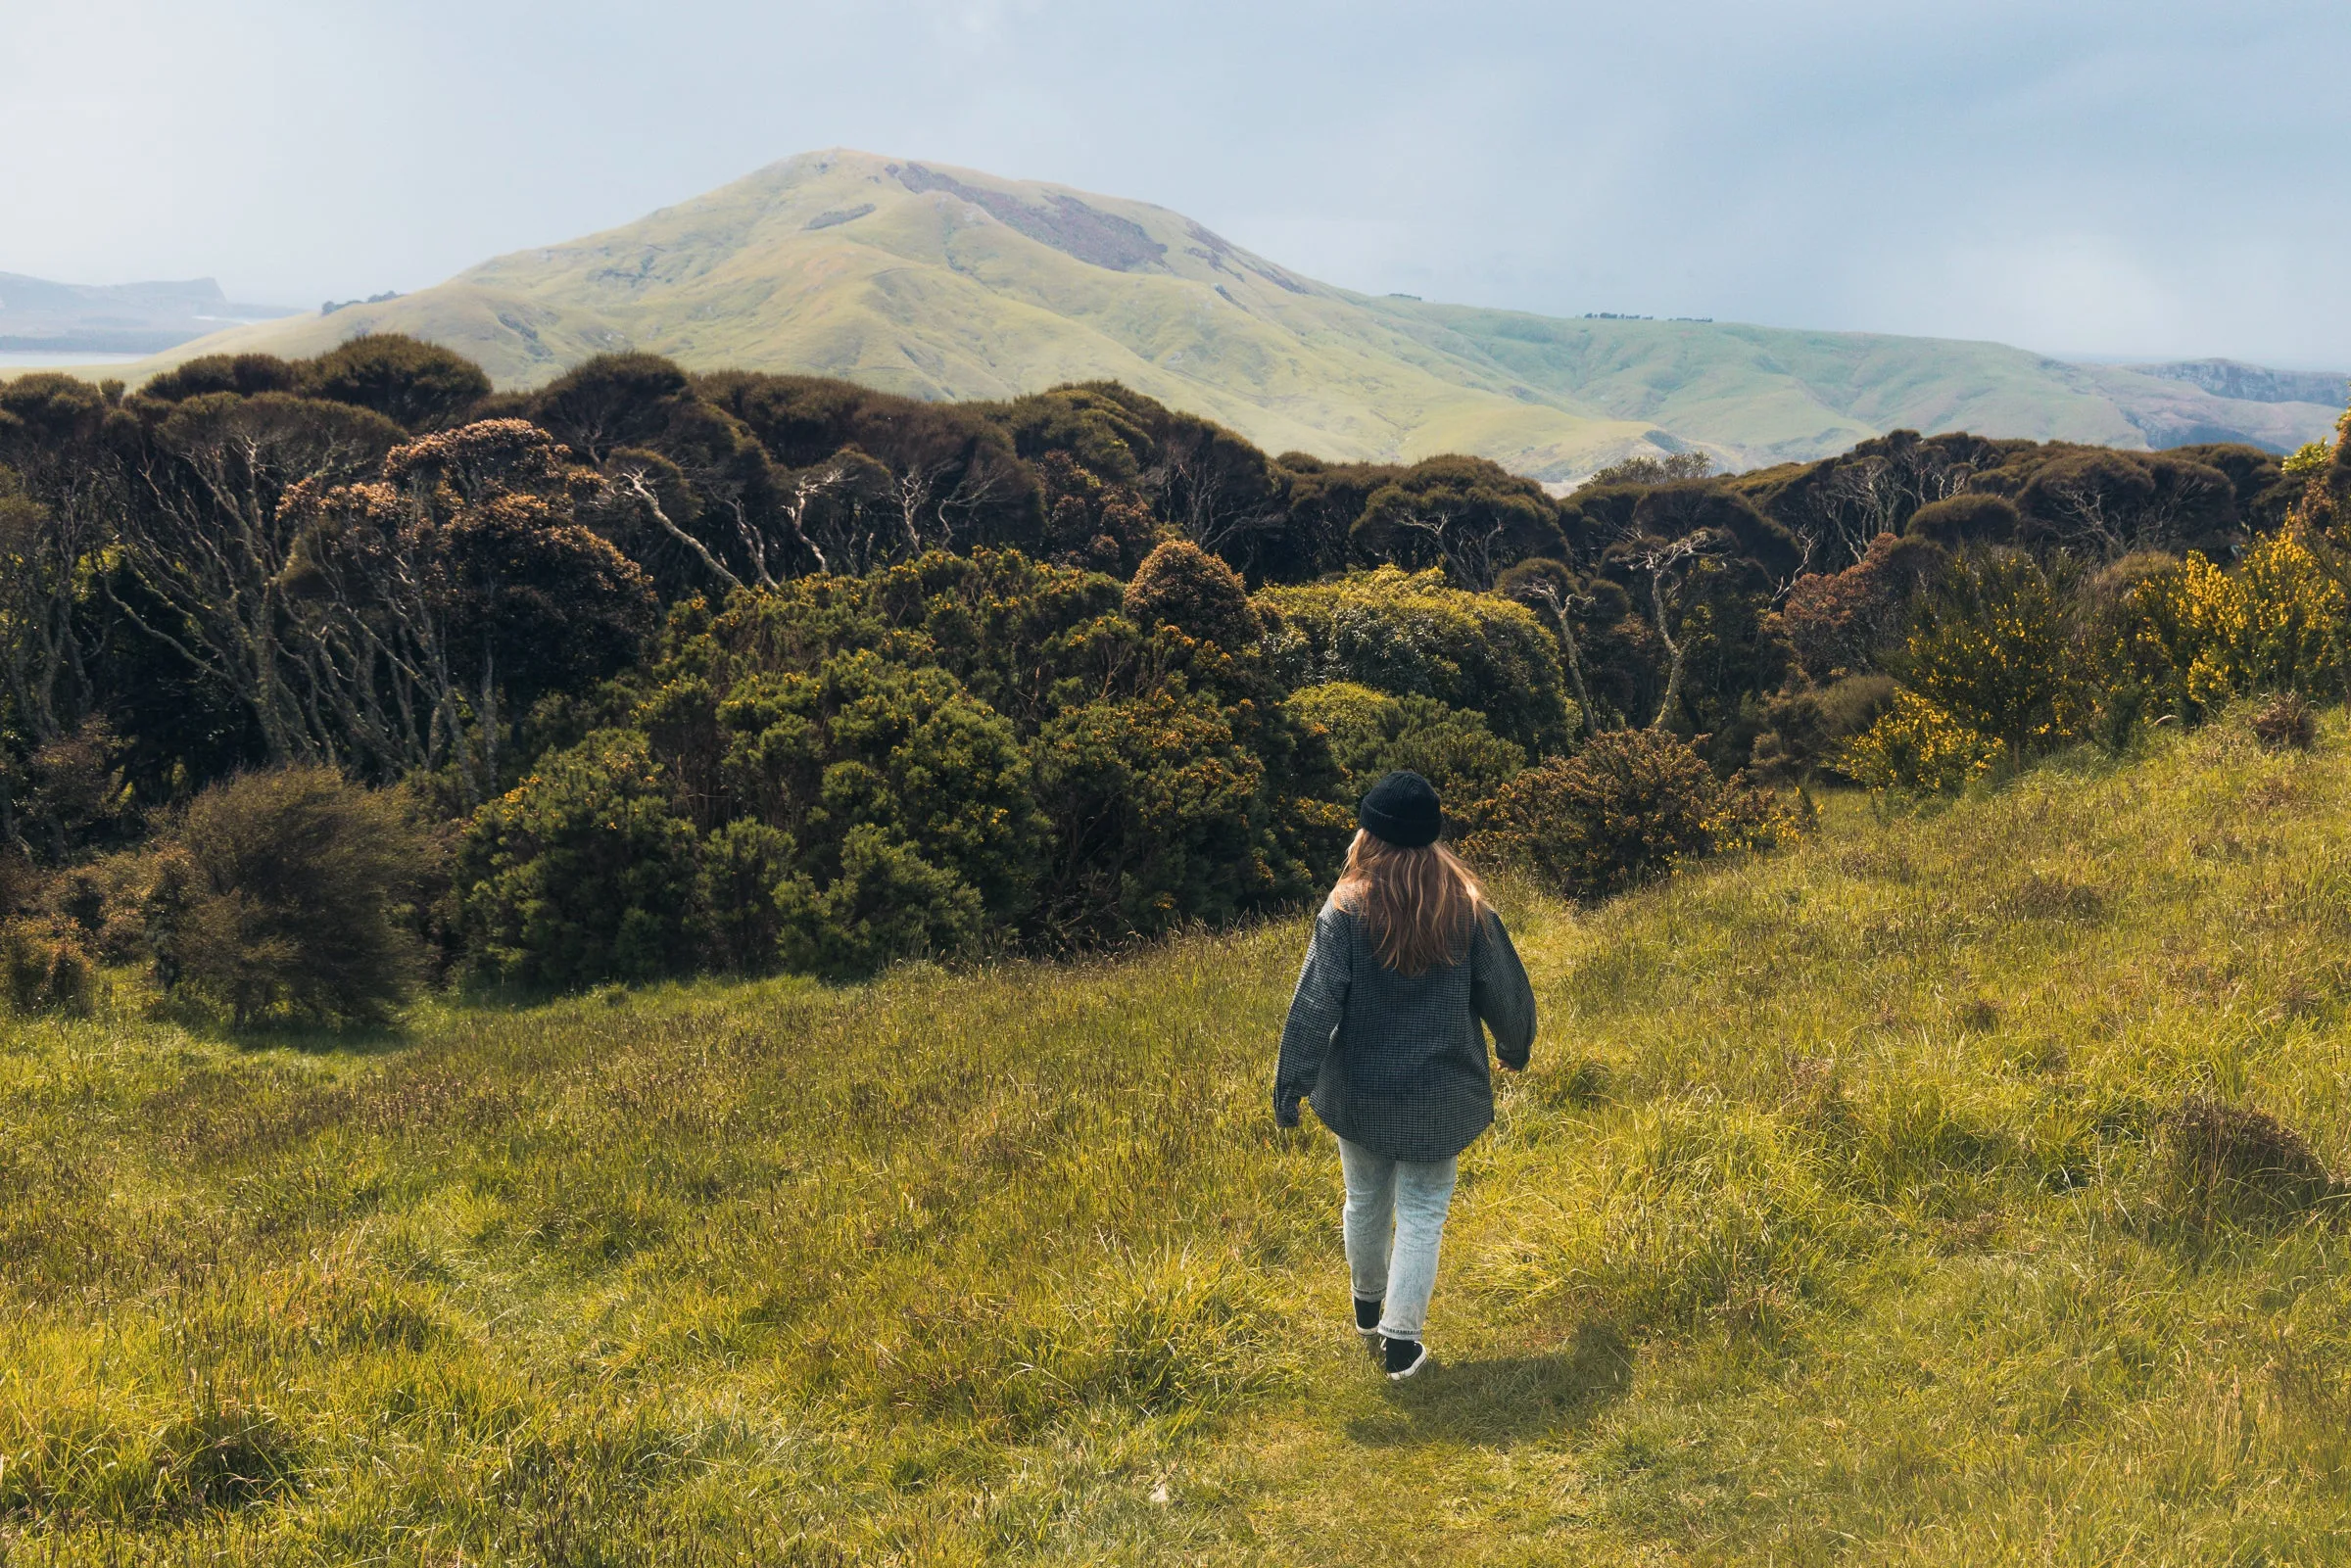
1499, 1401
311, 1038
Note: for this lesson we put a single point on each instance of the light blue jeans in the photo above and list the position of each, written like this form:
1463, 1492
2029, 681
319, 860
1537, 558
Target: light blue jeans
1394, 1219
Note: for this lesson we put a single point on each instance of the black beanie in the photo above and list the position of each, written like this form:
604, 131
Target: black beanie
1402, 809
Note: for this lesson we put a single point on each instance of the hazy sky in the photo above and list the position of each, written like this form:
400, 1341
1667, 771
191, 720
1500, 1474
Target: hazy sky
2147, 180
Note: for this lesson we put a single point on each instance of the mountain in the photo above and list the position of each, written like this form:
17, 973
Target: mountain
39, 316
947, 283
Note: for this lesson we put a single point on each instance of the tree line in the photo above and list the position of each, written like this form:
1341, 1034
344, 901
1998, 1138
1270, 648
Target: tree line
653, 671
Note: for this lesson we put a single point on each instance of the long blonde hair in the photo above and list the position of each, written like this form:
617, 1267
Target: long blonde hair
1419, 904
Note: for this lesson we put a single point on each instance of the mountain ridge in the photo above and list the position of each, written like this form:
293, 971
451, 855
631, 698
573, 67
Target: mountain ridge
37, 315
941, 282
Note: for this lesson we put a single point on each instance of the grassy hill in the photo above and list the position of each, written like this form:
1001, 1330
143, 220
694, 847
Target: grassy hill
1831, 1225
950, 283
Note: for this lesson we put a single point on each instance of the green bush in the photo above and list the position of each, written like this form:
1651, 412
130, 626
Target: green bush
1184, 586
1412, 635
584, 871
43, 971
883, 903
1915, 745
903, 807
1163, 812
1630, 806
2193, 638
286, 896
1371, 734
1994, 650
963, 750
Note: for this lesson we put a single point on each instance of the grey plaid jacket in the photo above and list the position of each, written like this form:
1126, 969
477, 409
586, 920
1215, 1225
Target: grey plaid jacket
1397, 1062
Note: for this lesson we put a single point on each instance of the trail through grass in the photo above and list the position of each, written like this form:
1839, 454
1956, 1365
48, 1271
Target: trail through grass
1833, 1225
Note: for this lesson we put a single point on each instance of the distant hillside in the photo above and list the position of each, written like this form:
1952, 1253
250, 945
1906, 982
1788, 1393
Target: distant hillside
948, 283
43, 318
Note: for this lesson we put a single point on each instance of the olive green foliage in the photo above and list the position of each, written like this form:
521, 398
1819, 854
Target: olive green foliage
1916, 746
950, 678
44, 969
1410, 635
901, 802
1806, 730
1993, 649
1181, 584
1668, 469
417, 386
1854, 1209
286, 897
583, 870
2008, 658
245, 374
2193, 637
956, 751
1468, 517
1628, 806
1963, 521
1372, 734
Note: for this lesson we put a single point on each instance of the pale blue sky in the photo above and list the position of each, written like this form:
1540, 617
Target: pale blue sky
2150, 179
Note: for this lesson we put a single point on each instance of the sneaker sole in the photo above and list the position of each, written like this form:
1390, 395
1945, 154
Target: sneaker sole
1412, 1370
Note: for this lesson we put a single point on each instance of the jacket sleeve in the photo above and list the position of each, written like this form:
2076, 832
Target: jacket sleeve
1500, 994
1316, 1009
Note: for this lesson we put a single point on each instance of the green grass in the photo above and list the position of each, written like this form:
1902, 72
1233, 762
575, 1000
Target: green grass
923, 294
1830, 1225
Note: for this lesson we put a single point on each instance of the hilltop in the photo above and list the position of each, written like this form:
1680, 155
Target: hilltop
1834, 1222
947, 284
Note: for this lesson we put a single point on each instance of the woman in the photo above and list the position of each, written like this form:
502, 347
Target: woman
1384, 1036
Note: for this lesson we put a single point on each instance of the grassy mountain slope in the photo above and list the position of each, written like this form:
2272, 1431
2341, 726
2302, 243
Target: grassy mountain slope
950, 283
1830, 1226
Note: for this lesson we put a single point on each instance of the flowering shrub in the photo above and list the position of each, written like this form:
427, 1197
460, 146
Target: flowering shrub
2193, 637
1918, 746
1993, 653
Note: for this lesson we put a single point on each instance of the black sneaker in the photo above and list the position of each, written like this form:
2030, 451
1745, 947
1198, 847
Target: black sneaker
1403, 1357
1366, 1318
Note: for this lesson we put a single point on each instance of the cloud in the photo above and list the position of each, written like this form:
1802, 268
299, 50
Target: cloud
2156, 179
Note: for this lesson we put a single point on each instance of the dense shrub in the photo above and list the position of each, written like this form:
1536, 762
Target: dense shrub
417, 385
1915, 745
1370, 734
1964, 521
1993, 651
945, 755
904, 805
584, 871
1184, 586
2193, 637
1158, 815
1840, 623
1629, 806
1806, 731
1412, 635
76, 794
287, 894
44, 970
